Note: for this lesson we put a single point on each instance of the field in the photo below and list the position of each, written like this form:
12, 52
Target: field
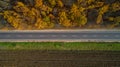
60, 46
59, 54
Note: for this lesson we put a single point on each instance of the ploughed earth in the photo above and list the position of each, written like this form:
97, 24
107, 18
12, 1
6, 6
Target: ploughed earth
59, 58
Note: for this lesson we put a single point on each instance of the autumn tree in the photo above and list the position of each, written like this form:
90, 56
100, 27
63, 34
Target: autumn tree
52, 3
13, 18
78, 15
115, 6
63, 19
60, 3
45, 13
38, 3
42, 24
17, 16
20, 7
102, 10
90, 1
117, 20
28, 15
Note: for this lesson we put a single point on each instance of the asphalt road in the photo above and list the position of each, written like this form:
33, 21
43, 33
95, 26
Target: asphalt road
61, 36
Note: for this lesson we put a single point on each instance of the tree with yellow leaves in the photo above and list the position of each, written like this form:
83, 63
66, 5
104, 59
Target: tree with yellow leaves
20, 7
43, 13
60, 3
117, 20
38, 3
79, 1
63, 19
52, 3
78, 15
13, 18
74, 10
90, 1
102, 10
42, 24
115, 6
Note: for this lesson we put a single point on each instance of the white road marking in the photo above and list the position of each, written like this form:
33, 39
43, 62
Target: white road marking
95, 35
7, 35
85, 35
64, 35
42, 36
54, 35
117, 35
30, 35
106, 36
19, 36
74, 36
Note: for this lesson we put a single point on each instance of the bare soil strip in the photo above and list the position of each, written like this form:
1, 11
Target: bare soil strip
55, 58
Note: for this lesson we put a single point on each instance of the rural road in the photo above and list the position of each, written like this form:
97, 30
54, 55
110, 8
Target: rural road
77, 36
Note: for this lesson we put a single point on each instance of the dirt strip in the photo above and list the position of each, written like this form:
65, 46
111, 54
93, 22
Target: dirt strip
55, 58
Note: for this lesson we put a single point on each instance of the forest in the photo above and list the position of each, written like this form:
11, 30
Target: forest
53, 14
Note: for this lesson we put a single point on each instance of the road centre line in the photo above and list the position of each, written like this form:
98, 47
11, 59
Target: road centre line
19, 36
64, 35
106, 35
7, 36
95, 35
74, 35
42, 35
54, 35
30, 35
85, 35
117, 35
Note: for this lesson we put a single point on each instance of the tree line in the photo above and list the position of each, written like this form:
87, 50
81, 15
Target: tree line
44, 14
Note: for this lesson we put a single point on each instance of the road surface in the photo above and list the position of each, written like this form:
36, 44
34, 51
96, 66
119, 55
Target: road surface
100, 36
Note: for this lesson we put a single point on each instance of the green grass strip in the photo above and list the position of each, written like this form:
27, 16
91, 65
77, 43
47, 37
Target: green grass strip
59, 46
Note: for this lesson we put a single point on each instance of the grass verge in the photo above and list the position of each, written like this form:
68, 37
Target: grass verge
59, 46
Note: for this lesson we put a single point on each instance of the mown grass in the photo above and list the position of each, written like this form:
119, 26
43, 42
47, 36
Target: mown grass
59, 46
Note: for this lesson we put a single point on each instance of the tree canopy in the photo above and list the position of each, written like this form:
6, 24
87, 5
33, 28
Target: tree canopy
45, 14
